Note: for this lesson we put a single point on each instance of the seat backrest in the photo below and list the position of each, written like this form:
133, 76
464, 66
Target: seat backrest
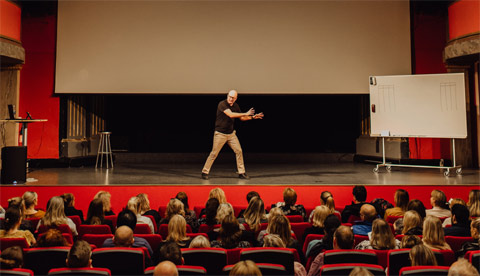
142, 228
382, 257
93, 229
352, 219
120, 260
457, 242
191, 270
397, 259
310, 238
9, 242
42, 259
359, 238
155, 229
80, 271
350, 256
155, 240
233, 255
392, 219
113, 219
299, 228
204, 228
68, 237
77, 220
474, 258
163, 230
237, 209
34, 222
424, 270
295, 218
16, 272
64, 228
212, 259
345, 269
265, 269
282, 256
96, 239
444, 257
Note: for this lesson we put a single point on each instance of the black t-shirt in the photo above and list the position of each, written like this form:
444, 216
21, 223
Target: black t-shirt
223, 123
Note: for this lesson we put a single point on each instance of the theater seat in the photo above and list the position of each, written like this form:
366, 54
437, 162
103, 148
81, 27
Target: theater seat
80, 271
93, 229
359, 238
265, 269
282, 256
474, 258
120, 260
299, 228
457, 242
155, 240
64, 228
295, 218
9, 242
350, 256
310, 238
424, 270
345, 269
397, 259
142, 228
77, 220
392, 219
16, 272
42, 259
96, 239
212, 259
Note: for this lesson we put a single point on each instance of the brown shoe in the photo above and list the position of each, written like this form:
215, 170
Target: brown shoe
243, 176
205, 176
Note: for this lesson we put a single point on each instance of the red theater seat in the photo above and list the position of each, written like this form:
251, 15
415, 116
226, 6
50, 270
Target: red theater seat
282, 256
345, 269
265, 269
80, 271
424, 270
9, 242
350, 256
295, 218
96, 239
42, 259
299, 228
212, 259
93, 229
310, 238
155, 240
120, 260
113, 219
392, 219
456, 242
16, 272
142, 228
77, 220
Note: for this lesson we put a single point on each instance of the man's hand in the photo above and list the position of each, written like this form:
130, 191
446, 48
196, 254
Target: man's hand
250, 112
258, 116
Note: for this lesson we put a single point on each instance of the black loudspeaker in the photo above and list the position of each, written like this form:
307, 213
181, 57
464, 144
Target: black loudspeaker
14, 165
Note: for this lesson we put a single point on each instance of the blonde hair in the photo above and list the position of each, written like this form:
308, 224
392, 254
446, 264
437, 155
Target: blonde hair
281, 226
143, 203
289, 196
474, 203
440, 198
105, 197
475, 224
255, 213
218, 194
29, 198
132, 205
382, 236
360, 271
174, 207
55, 214
422, 255
224, 209
320, 213
326, 198
199, 241
433, 235
245, 268
273, 240
462, 267
274, 212
177, 230
411, 219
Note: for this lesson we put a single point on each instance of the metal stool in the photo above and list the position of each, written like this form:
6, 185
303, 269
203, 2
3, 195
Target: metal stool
104, 148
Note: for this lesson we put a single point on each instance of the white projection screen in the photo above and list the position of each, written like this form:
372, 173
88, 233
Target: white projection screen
209, 47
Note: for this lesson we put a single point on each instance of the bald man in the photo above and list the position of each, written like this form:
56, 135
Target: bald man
165, 268
123, 237
368, 214
227, 111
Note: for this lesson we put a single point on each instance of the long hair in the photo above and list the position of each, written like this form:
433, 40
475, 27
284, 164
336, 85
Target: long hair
417, 206
433, 235
281, 226
422, 255
55, 214
143, 203
174, 207
246, 268
401, 199
105, 197
177, 230
320, 213
230, 233
289, 196
30, 199
475, 225
474, 203
273, 240
211, 208
225, 209
182, 196
19, 203
12, 217
255, 213
382, 236
218, 194
95, 214
132, 205
68, 199
332, 222
326, 198
411, 219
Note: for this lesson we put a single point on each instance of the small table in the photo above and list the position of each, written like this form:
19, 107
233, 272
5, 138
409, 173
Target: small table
24, 123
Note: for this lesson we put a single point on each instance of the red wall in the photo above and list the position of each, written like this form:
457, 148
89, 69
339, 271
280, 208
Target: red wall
36, 86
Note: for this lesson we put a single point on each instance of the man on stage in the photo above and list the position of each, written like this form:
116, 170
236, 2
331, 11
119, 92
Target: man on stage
227, 111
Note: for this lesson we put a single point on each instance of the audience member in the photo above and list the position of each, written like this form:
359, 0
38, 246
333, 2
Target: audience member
11, 258
417, 206
433, 236
254, 215
31, 200
133, 206
144, 208
360, 271
53, 237
438, 200
174, 207
398, 226
274, 240
412, 223
250, 195
332, 222
462, 267
409, 241
225, 209
177, 231
473, 203
96, 215
401, 200
231, 236
381, 237
211, 208
18, 203
452, 202
342, 239
219, 194
368, 214
288, 205
13, 219
107, 205
165, 268
359, 197
281, 226
320, 213
200, 241
123, 237
326, 199
245, 268
273, 213
422, 255
69, 206
80, 255
55, 215
460, 220
170, 251
190, 215
473, 245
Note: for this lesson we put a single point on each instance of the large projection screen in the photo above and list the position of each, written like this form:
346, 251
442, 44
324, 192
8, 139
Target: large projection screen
257, 47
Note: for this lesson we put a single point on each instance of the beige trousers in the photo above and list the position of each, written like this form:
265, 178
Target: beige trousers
219, 139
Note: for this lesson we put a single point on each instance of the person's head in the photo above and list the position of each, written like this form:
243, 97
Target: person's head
359, 193
332, 222
11, 257
170, 251
474, 203
211, 208
320, 213
13, 218
230, 232
105, 197
368, 212
30, 199
55, 214
80, 255
360, 271
417, 206
401, 199
274, 212
174, 207
200, 241
218, 194
398, 226
177, 229
53, 237
255, 213
232, 97
252, 194
438, 199
165, 268
382, 236
326, 198
460, 214
273, 240
132, 205
95, 214
343, 238
411, 219
245, 268
433, 232
456, 200
409, 241
123, 237
19, 203
422, 255
182, 196
281, 226
68, 199
143, 203
475, 229
128, 218
289, 196
225, 209
462, 267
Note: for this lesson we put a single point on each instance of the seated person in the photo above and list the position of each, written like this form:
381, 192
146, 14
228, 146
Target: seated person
80, 255
401, 200
460, 222
332, 222
134, 206
448, 221
432, 235
438, 200
320, 213
409, 241
165, 268
96, 215
231, 236
422, 255
254, 215
247, 267
462, 267
199, 241
250, 195
177, 233
359, 197
13, 220
53, 237
412, 223
11, 258
170, 251
124, 238
31, 200
70, 210
289, 207
381, 237
368, 214
471, 246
